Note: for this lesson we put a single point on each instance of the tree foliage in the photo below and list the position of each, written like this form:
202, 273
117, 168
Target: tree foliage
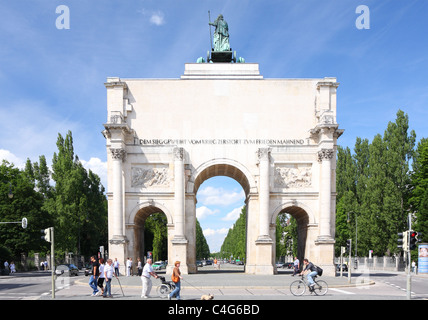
373, 189
235, 242
75, 205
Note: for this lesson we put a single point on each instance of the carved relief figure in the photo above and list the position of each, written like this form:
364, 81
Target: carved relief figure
147, 177
292, 177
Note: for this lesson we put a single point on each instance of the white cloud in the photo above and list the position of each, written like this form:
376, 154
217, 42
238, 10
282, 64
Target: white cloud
11, 158
157, 18
203, 212
232, 215
211, 232
218, 196
98, 167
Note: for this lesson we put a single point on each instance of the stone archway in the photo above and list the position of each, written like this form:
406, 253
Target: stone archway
297, 211
140, 247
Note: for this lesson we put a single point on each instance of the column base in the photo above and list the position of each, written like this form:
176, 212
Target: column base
117, 249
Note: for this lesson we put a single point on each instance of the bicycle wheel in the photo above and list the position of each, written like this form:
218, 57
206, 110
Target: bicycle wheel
163, 290
298, 287
321, 287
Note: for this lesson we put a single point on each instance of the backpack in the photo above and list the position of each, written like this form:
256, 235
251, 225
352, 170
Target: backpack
319, 271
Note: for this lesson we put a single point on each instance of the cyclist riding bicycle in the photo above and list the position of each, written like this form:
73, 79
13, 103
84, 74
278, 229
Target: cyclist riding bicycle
311, 271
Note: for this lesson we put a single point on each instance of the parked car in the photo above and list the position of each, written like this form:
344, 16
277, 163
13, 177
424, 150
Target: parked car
199, 263
344, 267
67, 270
158, 265
279, 265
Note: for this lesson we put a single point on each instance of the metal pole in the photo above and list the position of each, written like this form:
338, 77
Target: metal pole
350, 261
409, 276
53, 262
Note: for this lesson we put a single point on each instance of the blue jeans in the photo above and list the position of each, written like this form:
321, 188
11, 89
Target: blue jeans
176, 291
93, 283
107, 290
310, 275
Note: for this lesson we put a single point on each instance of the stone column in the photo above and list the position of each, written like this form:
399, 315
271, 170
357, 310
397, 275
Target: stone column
264, 168
325, 156
179, 193
118, 155
179, 242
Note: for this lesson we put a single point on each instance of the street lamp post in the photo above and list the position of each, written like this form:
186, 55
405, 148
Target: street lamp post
356, 236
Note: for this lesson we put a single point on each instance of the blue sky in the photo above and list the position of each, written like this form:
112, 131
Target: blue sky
52, 80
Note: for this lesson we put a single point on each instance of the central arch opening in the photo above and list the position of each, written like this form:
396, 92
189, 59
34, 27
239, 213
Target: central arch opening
221, 191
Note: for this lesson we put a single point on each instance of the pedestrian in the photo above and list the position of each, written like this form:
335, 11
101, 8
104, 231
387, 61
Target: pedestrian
116, 267
100, 281
128, 266
311, 271
296, 266
139, 267
176, 278
94, 273
6, 267
12, 267
145, 278
108, 275
46, 264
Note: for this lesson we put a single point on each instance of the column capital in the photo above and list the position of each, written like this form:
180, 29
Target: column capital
178, 153
325, 154
118, 153
263, 153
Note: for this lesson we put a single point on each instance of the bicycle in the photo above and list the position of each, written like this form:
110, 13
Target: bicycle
165, 288
298, 287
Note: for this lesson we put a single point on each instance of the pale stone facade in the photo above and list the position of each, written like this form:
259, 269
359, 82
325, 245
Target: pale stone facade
276, 137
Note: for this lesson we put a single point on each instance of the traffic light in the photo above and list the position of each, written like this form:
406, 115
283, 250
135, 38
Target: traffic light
348, 245
413, 239
402, 242
47, 234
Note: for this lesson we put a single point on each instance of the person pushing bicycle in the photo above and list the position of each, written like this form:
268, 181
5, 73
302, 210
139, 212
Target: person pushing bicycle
311, 271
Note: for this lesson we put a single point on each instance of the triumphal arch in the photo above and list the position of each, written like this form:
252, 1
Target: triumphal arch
276, 137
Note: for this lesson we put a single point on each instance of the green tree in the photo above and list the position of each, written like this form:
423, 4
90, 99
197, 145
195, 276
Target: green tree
156, 236
235, 241
26, 202
419, 193
76, 203
202, 248
373, 188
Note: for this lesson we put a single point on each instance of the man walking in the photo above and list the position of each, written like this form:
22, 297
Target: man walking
296, 265
108, 275
145, 278
95, 271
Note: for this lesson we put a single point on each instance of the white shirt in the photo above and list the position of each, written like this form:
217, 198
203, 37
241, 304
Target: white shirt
146, 270
108, 271
102, 270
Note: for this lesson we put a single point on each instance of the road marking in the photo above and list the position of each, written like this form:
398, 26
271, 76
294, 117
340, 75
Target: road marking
340, 291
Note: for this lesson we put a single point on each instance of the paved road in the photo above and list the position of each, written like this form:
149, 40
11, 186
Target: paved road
224, 286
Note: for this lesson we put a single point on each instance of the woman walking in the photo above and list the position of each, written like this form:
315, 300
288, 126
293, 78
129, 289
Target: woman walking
176, 278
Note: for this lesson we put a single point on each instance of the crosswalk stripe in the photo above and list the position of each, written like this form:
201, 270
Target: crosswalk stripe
340, 291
